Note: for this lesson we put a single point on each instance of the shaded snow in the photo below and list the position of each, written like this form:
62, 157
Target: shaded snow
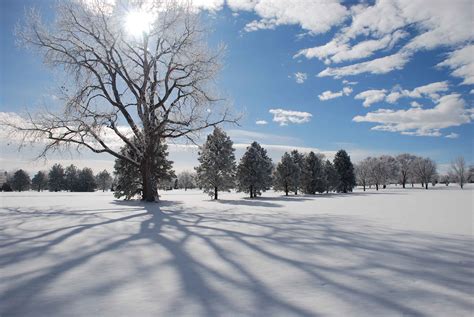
396, 252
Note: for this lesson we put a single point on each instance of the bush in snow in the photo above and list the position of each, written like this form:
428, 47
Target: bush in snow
254, 173
216, 168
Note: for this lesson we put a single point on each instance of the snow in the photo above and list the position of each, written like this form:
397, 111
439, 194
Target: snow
388, 253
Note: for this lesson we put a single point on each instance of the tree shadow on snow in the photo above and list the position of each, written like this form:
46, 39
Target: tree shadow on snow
443, 263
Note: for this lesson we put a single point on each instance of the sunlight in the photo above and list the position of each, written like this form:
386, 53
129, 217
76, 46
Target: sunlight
138, 22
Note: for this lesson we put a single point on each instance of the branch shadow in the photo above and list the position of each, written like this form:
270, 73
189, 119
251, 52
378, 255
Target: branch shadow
442, 266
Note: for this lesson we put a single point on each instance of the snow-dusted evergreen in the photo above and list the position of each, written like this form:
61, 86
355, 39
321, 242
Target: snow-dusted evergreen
39, 181
283, 179
298, 159
129, 180
254, 173
345, 171
21, 181
216, 170
56, 180
313, 178
331, 175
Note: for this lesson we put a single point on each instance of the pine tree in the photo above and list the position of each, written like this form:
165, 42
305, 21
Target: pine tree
39, 181
254, 173
129, 180
313, 177
56, 180
345, 171
104, 180
216, 168
20, 181
86, 180
283, 179
331, 176
298, 159
71, 175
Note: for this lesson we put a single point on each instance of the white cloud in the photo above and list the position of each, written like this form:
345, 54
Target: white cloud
346, 82
377, 27
380, 65
415, 104
449, 112
461, 62
371, 96
300, 77
472, 91
284, 117
427, 91
261, 122
327, 95
452, 135
314, 16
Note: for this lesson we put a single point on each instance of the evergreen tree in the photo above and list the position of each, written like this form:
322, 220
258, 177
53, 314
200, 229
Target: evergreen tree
86, 180
129, 180
6, 187
345, 171
56, 180
216, 168
298, 159
283, 179
254, 173
313, 177
20, 181
331, 176
39, 181
104, 180
71, 178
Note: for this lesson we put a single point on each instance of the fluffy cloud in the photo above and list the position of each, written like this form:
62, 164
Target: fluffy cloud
461, 62
377, 27
327, 95
449, 112
300, 77
371, 96
261, 122
380, 65
284, 117
314, 16
427, 91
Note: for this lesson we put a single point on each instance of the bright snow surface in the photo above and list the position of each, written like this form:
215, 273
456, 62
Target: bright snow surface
388, 253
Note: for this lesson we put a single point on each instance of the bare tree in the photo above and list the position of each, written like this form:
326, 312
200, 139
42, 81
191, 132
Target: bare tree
363, 172
405, 167
459, 171
186, 180
425, 170
148, 87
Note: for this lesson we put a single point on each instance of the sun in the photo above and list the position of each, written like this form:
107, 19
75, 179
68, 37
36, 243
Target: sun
138, 22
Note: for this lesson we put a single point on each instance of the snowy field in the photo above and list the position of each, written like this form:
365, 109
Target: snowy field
392, 253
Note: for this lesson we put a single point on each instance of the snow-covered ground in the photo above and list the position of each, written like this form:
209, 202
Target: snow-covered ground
391, 253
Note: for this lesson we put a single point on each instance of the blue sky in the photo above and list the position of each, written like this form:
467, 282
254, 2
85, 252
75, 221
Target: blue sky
344, 55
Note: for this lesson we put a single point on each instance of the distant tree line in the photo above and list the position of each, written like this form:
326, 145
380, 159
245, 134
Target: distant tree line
407, 169
58, 179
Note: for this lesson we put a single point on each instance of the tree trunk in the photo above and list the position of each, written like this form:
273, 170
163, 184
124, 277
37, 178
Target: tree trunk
149, 191
377, 186
251, 191
364, 187
286, 190
403, 184
215, 193
426, 185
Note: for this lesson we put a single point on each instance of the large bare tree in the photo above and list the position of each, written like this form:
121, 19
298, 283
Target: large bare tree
141, 85
459, 171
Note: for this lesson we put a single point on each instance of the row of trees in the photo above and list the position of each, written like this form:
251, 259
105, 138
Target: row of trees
256, 173
59, 178
407, 169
